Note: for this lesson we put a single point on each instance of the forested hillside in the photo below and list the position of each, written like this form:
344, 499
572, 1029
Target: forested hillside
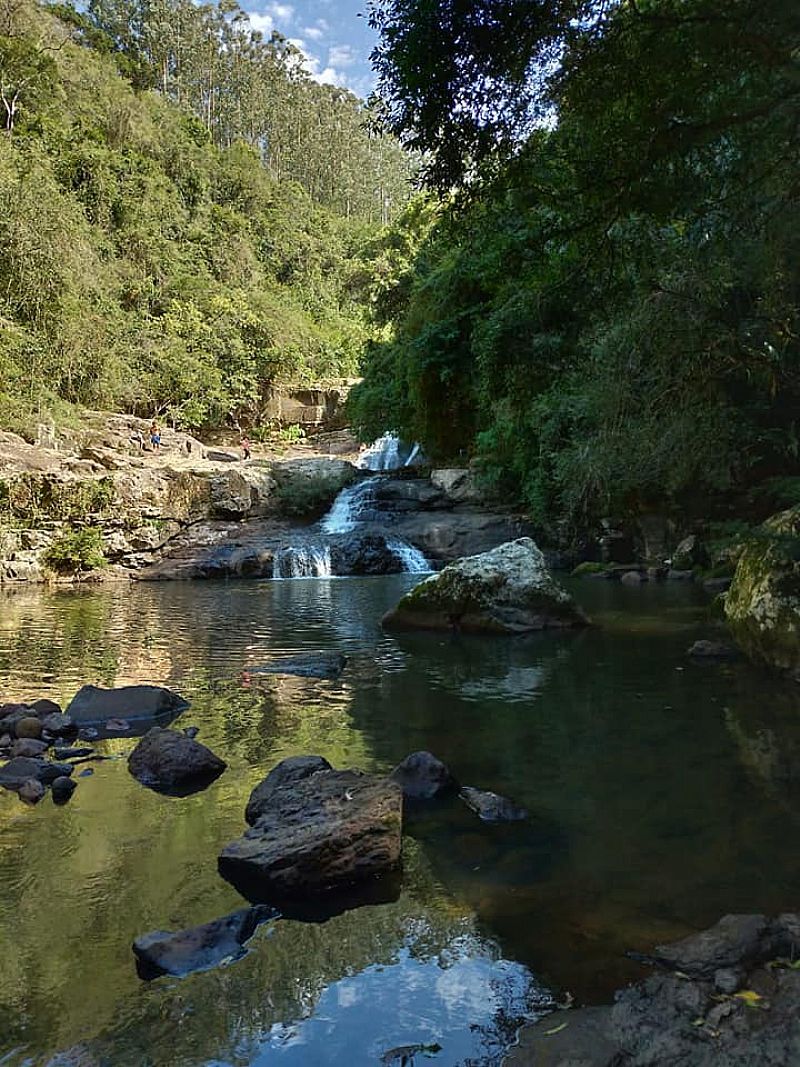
605, 314
183, 213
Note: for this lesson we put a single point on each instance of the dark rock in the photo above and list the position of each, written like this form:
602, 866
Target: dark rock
6, 741
170, 762
72, 753
680, 576
490, 806
314, 665
57, 725
735, 940
633, 578
714, 650
29, 727
690, 553
143, 706
423, 777
63, 788
45, 707
404, 1055
329, 832
28, 746
286, 773
87, 773
31, 791
192, 731
21, 768
200, 947
364, 554
728, 980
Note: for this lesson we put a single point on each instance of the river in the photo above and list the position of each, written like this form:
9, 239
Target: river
663, 793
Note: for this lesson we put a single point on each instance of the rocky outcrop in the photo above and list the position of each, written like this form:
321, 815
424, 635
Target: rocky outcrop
422, 776
284, 775
198, 948
170, 762
245, 491
325, 834
762, 607
729, 997
508, 590
309, 406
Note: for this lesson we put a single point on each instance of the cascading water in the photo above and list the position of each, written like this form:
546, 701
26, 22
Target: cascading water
413, 561
349, 507
387, 454
302, 561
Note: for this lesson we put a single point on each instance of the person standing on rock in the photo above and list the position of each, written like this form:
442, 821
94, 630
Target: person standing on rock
247, 448
155, 436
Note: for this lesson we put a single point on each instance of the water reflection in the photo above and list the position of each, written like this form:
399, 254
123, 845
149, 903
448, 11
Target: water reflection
660, 795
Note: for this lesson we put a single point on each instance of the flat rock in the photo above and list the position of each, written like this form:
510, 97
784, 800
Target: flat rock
735, 940
18, 770
284, 775
422, 776
507, 590
198, 948
141, 706
314, 665
28, 746
329, 832
170, 762
491, 807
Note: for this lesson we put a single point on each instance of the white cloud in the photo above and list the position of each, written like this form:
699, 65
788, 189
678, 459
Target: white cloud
282, 13
342, 55
314, 32
262, 23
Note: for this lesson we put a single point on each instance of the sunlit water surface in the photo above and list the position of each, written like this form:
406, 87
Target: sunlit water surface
662, 794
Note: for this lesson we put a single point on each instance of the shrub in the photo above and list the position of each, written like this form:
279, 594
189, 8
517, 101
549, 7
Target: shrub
76, 551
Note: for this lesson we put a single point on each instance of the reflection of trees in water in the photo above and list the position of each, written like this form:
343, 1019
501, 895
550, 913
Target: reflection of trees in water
767, 735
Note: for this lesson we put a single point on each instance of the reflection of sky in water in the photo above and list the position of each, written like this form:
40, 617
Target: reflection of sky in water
518, 683
411, 1002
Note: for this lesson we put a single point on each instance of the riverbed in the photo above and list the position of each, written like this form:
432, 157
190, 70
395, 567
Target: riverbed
663, 793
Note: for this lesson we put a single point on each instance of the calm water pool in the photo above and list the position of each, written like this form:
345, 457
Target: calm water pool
662, 794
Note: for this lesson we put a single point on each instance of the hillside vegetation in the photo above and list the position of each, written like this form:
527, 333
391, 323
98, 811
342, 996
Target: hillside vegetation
604, 315
183, 214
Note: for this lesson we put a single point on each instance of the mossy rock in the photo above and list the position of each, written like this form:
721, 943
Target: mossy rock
763, 604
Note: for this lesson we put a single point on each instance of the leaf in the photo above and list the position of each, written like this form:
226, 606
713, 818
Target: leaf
749, 996
556, 1030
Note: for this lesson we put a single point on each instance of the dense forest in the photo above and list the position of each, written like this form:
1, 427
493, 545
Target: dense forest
601, 309
185, 215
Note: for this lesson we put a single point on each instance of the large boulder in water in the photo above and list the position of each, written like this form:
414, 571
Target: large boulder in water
762, 606
507, 590
364, 554
331, 832
422, 776
143, 706
170, 762
199, 947
284, 774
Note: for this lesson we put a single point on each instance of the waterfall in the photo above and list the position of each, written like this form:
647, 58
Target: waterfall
302, 561
413, 561
349, 506
412, 455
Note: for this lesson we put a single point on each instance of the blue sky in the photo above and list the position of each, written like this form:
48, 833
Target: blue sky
336, 41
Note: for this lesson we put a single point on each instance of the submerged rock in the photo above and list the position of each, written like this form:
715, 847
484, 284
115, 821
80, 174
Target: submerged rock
18, 770
505, 591
284, 774
170, 762
713, 650
198, 948
329, 832
491, 807
762, 606
141, 706
313, 665
422, 776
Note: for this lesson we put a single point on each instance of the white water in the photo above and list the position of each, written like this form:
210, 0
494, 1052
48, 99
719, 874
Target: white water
348, 507
386, 454
414, 562
302, 561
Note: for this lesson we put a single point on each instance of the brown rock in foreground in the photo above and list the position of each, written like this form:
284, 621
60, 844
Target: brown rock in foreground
327, 833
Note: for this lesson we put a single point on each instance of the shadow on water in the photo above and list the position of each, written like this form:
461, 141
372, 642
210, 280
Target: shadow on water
662, 794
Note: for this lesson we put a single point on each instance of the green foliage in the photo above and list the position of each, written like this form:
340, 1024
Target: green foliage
154, 263
605, 318
32, 498
76, 551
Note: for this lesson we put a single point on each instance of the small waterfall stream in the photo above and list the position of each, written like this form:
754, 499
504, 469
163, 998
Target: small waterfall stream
356, 509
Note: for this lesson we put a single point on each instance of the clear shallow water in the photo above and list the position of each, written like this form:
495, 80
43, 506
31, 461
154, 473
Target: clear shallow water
663, 794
